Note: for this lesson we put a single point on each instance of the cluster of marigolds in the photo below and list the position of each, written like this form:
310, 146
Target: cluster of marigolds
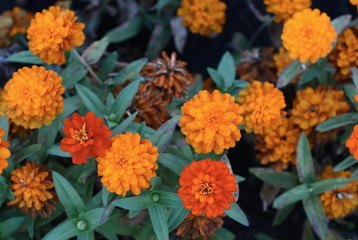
210, 120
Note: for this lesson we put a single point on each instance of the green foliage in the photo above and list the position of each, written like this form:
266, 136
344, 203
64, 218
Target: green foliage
304, 160
346, 163
283, 179
94, 52
294, 69
24, 57
338, 121
237, 214
125, 31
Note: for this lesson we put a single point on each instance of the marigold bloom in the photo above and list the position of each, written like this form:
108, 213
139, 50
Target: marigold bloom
278, 145
313, 106
207, 187
32, 97
284, 9
308, 35
354, 2
21, 20
52, 32
201, 227
33, 189
210, 122
203, 16
169, 75
85, 136
352, 142
128, 164
338, 203
345, 54
4, 151
262, 104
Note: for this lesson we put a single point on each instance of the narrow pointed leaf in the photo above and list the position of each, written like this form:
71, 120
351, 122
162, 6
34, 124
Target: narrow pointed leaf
10, 225
172, 162
90, 100
283, 179
328, 185
63, 231
338, 121
124, 99
124, 124
293, 195
237, 214
304, 160
159, 222
140, 202
316, 216
95, 51
289, 73
346, 163
176, 217
227, 70
25, 57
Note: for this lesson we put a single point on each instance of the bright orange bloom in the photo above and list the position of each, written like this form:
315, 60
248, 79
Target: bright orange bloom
210, 122
284, 9
128, 164
262, 104
207, 187
33, 189
352, 142
85, 136
354, 2
278, 145
32, 97
4, 151
308, 35
53, 32
203, 16
338, 203
313, 106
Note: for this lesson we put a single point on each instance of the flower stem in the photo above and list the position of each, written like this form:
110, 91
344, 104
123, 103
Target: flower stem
93, 74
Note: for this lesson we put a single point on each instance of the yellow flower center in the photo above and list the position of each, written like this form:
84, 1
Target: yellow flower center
122, 160
206, 189
80, 135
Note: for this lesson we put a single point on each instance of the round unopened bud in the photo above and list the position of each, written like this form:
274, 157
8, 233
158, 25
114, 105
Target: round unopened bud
112, 117
81, 225
155, 197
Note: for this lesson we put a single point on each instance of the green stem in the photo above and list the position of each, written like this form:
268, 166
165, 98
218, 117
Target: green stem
93, 74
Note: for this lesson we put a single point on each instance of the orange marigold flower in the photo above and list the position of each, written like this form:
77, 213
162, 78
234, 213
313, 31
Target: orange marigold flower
308, 35
33, 189
201, 227
207, 187
210, 122
262, 104
4, 151
128, 164
284, 9
52, 32
85, 136
203, 16
345, 54
32, 97
338, 203
354, 2
313, 106
352, 142
21, 20
282, 60
278, 145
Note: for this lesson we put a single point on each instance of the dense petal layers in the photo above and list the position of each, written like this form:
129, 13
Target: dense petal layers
262, 105
308, 35
203, 16
4, 151
52, 32
207, 187
128, 164
32, 97
338, 203
85, 136
284, 9
352, 142
210, 122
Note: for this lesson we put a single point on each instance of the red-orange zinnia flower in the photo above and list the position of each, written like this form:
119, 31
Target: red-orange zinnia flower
85, 136
207, 187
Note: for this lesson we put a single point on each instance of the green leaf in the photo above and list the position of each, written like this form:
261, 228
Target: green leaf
130, 72
125, 31
63, 231
68, 195
304, 160
354, 72
350, 92
307, 233
56, 151
212, 155
168, 199
91, 218
328, 185
223, 233
283, 179
10, 225
217, 78
124, 124
71, 104
289, 73
163, 3
74, 72
308, 75
4, 124
20, 155
159, 39
293, 195
262, 236
124, 99
95, 51
338, 121
237, 214
88, 235
354, 176
315, 214
346, 163
140, 202
176, 217
341, 22
282, 214
47, 136
108, 65
106, 196
163, 135
90, 100
24, 57
227, 69
159, 222
172, 162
